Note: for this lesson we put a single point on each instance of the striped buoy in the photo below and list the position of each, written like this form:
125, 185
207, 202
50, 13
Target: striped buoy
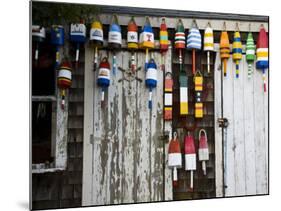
168, 96
203, 151
78, 36
198, 87
151, 79
104, 76
183, 93
224, 49
237, 51
190, 156
193, 42
147, 39
96, 39
164, 42
250, 53
38, 36
208, 43
114, 40
174, 158
64, 80
132, 40
57, 39
262, 54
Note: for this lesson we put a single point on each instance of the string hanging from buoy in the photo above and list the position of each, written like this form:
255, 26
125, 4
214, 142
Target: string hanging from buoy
57, 39
164, 42
64, 80
132, 40
151, 79
250, 52
262, 54
203, 151
38, 36
96, 38
194, 43
147, 40
168, 96
103, 77
198, 88
208, 43
114, 40
237, 50
224, 48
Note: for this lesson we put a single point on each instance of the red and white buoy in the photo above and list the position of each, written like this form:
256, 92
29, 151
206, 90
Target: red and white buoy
190, 157
203, 151
174, 158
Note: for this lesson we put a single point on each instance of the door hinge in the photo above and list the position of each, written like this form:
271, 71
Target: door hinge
223, 122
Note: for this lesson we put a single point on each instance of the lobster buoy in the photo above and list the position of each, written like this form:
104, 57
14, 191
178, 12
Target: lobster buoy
224, 49
164, 42
64, 80
151, 79
146, 39
198, 87
174, 157
203, 151
104, 76
208, 43
168, 96
250, 53
57, 39
237, 51
38, 36
190, 156
262, 54
78, 36
193, 42
114, 40
132, 40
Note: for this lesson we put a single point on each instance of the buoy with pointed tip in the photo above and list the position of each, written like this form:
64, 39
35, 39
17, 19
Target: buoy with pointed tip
78, 36
203, 151
168, 96
208, 44
190, 156
198, 87
237, 51
96, 39
224, 49
64, 80
194, 43
151, 79
132, 41
104, 77
146, 39
164, 42
174, 157
250, 53
57, 39
262, 54
38, 36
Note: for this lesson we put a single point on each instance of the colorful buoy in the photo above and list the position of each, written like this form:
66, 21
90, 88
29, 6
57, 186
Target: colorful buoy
224, 49
262, 54
104, 76
208, 43
190, 156
96, 39
151, 79
168, 96
132, 40
146, 39
198, 83
78, 36
64, 80
203, 151
38, 36
237, 51
57, 39
250, 53
164, 42
193, 43
174, 157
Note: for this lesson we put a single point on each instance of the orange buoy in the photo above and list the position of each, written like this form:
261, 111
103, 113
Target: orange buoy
224, 49
164, 42
132, 40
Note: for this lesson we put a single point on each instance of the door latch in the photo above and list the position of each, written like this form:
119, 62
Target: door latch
223, 122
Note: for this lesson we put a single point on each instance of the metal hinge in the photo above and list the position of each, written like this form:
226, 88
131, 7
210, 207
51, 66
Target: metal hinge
223, 122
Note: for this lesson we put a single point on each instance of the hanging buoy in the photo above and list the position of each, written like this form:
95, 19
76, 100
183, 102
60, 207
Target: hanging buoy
190, 156
164, 42
146, 39
114, 40
96, 39
132, 40
250, 53
151, 79
174, 158
237, 50
198, 87
224, 48
64, 80
208, 43
38, 36
78, 36
168, 96
57, 39
104, 76
262, 54
194, 43
203, 151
